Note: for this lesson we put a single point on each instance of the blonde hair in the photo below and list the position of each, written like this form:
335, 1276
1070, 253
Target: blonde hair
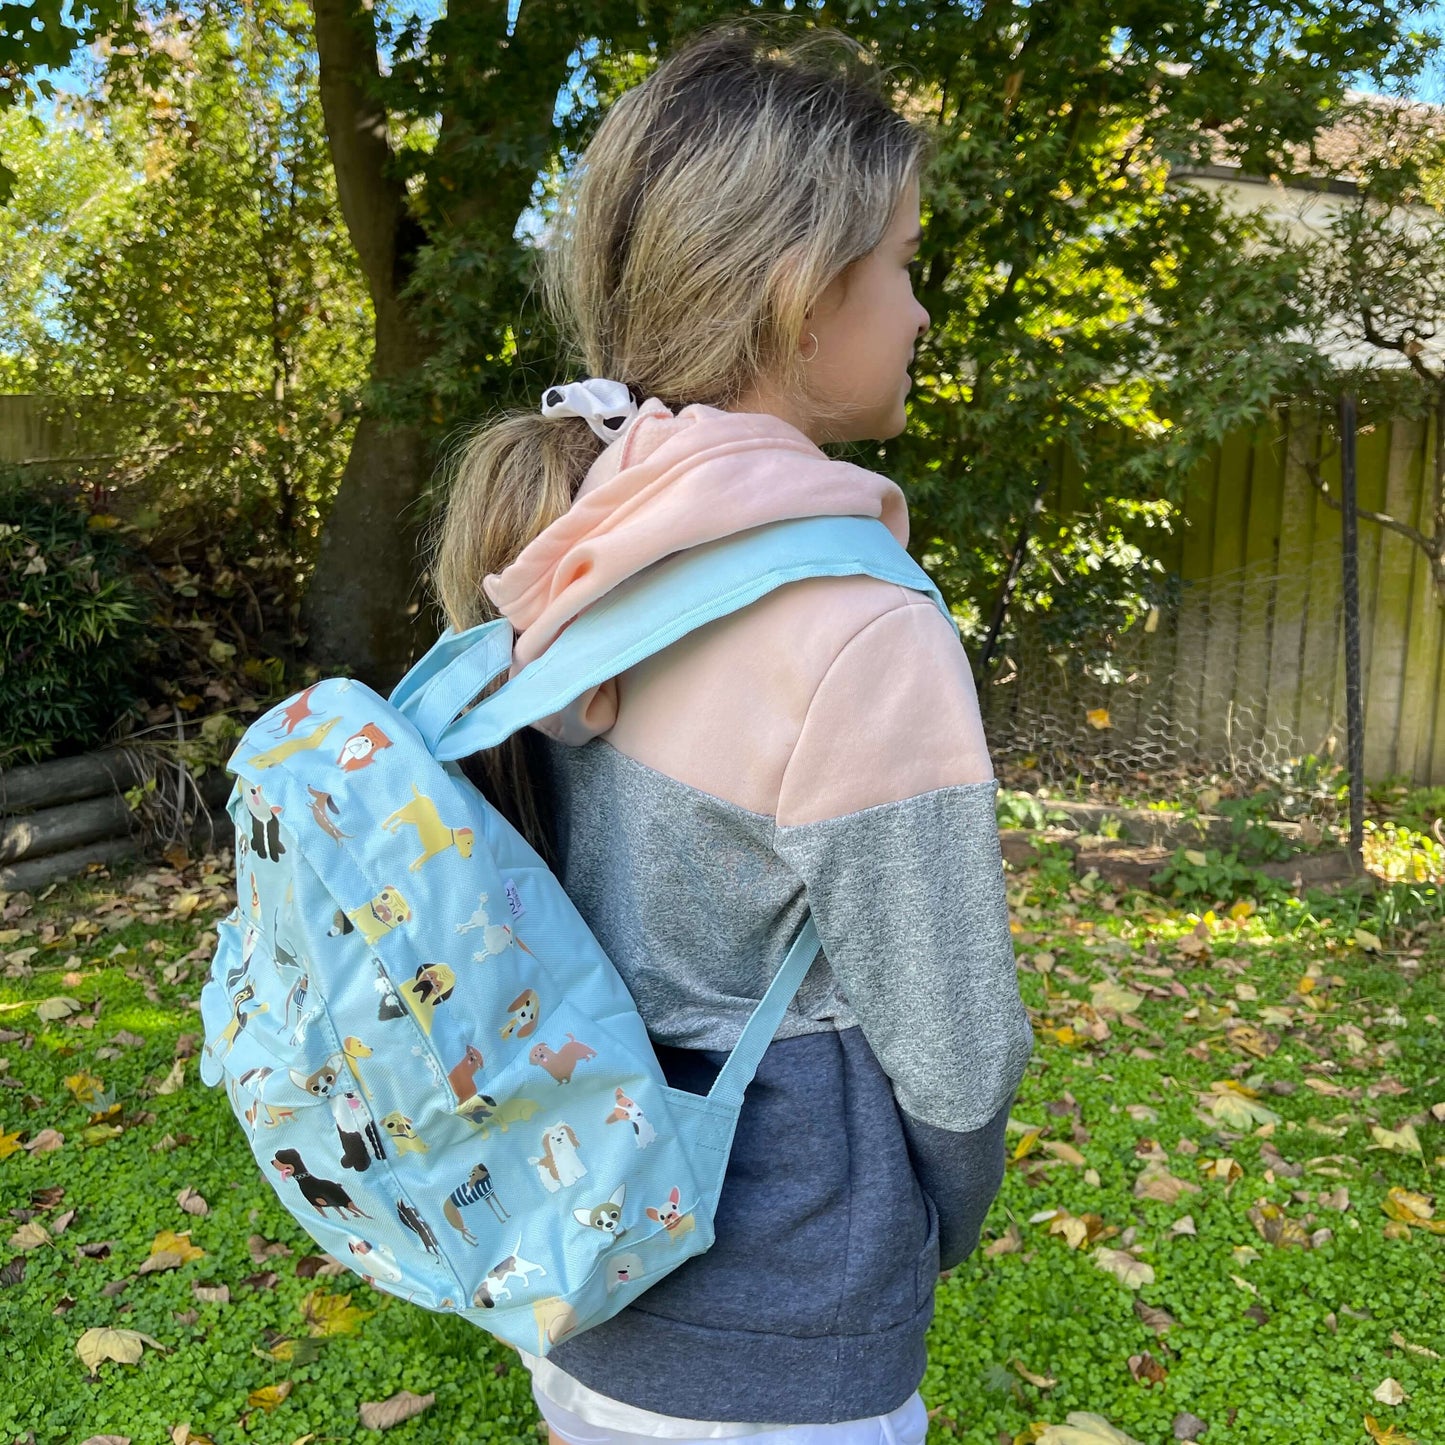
714, 204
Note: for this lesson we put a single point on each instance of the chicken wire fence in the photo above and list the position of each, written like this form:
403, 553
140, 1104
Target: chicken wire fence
1243, 677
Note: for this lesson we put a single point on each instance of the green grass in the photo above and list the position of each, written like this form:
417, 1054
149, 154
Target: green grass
1268, 1343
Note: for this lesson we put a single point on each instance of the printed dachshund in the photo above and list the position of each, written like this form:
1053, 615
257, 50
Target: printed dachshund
274, 757
321, 805
321, 1194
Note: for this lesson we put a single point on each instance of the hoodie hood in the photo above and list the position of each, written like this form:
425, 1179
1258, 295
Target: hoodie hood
667, 484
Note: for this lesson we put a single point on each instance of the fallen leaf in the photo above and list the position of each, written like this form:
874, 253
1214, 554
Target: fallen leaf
86, 1087
1146, 1370
1239, 1112
192, 1202
1386, 1434
268, 1396
169, 1251
1396, 1338
212, 1294
1043, 1382
1130, 1272
1009, 1242
1156, 1182
45, 1141
30, 1235
1404, 1138
54, 1009
1272, 1224
1153, 1317
1409, 1208
106, 1440
1085, 1428
1188, 1427
1183, 1225
125, 1347
1098, 717
1390, 1392
1065, 1152
10, 1143
174, 1080
1368, 941
332, 1314
1113, 996
383, 1414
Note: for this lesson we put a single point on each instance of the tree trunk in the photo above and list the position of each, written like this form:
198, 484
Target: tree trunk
365, 600
360, 608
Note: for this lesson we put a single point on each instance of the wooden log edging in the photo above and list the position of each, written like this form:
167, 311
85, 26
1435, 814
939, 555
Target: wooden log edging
58, 818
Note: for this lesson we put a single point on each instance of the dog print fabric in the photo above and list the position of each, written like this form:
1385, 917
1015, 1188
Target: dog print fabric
386, 1013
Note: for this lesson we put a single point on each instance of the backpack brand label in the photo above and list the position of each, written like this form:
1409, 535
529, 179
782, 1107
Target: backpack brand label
514, 899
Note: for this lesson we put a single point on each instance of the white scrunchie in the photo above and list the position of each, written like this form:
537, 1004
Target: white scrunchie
606, 406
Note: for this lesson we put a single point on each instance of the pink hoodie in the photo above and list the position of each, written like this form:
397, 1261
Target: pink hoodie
825, 697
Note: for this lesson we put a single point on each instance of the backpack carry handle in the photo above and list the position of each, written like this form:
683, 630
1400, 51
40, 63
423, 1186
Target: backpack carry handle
456, 668
663, 604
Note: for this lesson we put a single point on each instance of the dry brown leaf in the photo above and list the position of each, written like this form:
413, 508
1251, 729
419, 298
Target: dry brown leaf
1146, 1370
1390, 1392
383, 1414
1130, 1272
175, 1080
1183, 1225
1156, 1182
125, 1347
1396, 1338
1085, 1428
45, 1141
1153, 1317
1065, 1152
106, 1440
30, 1235
212, 1294
1009, 1242
1043, 1382
192, 1202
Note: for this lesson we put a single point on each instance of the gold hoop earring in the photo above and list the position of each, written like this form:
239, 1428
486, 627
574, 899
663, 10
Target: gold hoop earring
814, 352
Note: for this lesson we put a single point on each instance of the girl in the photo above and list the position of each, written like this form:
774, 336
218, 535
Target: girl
731, 258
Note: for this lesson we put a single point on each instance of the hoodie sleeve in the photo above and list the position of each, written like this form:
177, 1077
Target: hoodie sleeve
886, 812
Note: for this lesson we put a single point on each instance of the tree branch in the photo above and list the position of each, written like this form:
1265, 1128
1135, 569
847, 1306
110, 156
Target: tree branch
1430, 546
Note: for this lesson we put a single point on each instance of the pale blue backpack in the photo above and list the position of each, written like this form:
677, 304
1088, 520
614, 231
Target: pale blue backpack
438, 1069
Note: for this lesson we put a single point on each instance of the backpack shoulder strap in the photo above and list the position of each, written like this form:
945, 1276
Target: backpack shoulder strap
662, 604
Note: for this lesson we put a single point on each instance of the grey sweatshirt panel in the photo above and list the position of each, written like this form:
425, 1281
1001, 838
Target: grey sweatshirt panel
910, 905
813, 1303
685, 895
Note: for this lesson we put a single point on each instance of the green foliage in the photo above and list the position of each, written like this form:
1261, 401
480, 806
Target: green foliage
1249, 825
1211, 875
1024, 810
72, 626
185, 295
1261, 1342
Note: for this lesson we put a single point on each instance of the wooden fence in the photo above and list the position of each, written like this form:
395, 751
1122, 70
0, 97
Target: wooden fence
1252, 664
1255, 656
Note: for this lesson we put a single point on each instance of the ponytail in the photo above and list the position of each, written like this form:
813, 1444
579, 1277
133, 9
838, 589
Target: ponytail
511, 479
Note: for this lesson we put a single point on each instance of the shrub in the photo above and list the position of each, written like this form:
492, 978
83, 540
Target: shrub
72, 625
